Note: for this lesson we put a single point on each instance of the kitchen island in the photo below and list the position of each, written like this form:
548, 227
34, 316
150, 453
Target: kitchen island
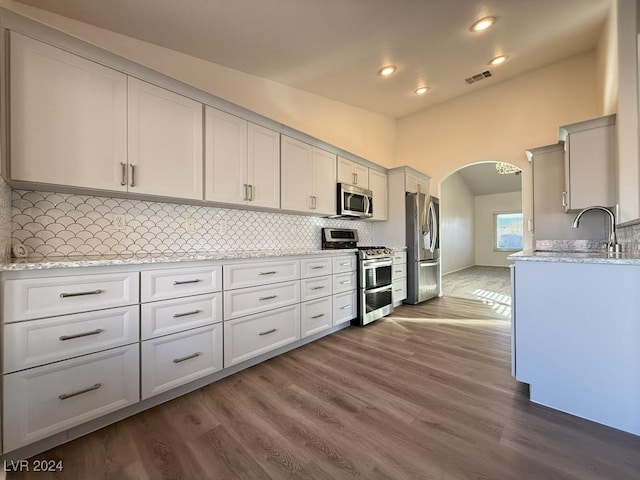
576, 333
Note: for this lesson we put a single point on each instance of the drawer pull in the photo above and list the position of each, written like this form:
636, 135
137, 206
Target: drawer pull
398, 271
345, 264
270, 297
80, 294
317, 268
398, 290
184, 282
345, 282
272, 272
267, 332
188, 357
318, 316
64, 396
317, 288
79, 335
186, 314
345, 307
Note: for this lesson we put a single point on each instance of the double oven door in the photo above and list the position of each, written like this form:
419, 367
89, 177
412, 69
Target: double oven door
375, 289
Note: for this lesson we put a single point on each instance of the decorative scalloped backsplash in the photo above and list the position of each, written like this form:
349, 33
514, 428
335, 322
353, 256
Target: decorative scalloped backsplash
54, 225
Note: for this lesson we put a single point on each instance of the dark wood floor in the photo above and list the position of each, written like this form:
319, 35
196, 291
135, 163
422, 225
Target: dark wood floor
422, 394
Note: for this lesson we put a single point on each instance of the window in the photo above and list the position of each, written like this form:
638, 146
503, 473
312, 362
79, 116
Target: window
508, 228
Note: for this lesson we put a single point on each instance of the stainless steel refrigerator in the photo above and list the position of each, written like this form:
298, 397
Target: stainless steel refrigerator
423, 247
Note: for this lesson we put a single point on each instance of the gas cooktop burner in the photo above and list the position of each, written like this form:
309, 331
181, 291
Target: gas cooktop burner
374, 252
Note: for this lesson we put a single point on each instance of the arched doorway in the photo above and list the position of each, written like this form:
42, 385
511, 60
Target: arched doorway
482, 223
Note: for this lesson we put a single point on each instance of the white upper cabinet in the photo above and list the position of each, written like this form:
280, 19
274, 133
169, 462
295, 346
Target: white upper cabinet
242, 161
380, 193
352, 173
308, 178
165, 142
590, 163
415, 183
68, 118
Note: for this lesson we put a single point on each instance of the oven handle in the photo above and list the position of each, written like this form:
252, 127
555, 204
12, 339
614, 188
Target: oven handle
374, 263
379, 289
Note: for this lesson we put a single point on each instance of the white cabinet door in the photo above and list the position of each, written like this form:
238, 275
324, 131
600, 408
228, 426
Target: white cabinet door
345, 307
225, 157
68, 118
315, 316
297, 175
352, 173
324, 182
263, 167
165, 142
416, 183
380, 194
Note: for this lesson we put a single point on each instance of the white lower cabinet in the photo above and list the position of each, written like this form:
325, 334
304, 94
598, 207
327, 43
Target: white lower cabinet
171, 316
315, 287
176, 359
344, 282
345, 307
253, 335
399, 277
246, 301
315, 316
52, 398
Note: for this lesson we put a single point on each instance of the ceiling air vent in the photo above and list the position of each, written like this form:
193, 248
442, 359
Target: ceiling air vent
479, 76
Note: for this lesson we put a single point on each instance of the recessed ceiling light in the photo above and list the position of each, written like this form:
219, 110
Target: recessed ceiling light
421, 90
388, 70
483, 24
498, 60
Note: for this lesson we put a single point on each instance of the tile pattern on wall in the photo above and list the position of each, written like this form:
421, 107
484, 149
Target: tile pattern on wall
54, 225
5, 221
629, 237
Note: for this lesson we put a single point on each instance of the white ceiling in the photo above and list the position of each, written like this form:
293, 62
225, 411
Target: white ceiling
334, 47
484, 179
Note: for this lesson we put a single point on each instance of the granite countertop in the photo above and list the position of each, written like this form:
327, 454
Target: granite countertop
151, 258
630, 258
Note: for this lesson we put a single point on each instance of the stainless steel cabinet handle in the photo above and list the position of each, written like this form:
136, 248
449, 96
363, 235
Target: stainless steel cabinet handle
188, 357
250, 192
345, 282
318, 316
564, 199
80, 294
133, 175
64, 396
317, 268
345, 307
79, 335
345, 264
355, 178
184, 282
246, 192
398, 271
267, 332
186, 314
317, 288
123, 181
270, 297
271, 272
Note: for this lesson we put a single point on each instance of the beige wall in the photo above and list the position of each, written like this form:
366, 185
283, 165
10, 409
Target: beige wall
457, 224
363, 133
485, 207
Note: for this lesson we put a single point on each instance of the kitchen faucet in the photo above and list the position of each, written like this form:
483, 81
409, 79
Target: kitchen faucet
612, 246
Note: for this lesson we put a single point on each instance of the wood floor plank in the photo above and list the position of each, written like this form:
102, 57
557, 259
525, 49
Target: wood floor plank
425, 393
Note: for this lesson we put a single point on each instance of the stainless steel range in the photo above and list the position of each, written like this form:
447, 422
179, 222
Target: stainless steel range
375, 282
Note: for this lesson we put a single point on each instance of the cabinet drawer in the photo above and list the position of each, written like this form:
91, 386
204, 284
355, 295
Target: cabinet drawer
238, 303
345, 263
315, 287
37, 342
243, 275
399, 290
315, 267
399, 270
180, 282
315, 316
46, 400
173, 360
248, 337
345, 307
344, 282
171, 316
399, 257
29, 298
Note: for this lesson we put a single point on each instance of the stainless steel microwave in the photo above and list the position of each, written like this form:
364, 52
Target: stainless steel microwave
354, 202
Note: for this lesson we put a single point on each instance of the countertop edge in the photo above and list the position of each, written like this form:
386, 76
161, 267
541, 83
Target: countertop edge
17, 265
576, 257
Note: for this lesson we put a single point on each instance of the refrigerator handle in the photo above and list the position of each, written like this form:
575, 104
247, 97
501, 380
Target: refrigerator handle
434, 227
